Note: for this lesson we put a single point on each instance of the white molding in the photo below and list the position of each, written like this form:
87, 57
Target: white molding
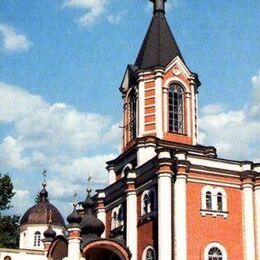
141, 103
218, 245
158, 106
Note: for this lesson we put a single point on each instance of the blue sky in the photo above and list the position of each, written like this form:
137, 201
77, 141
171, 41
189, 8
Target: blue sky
61, 64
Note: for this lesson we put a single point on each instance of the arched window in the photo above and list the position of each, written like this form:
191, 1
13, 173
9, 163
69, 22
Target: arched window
145, 204
132, 116
208, 200
220, 201
148, 201
215, 254
215, 251
117, 217
37, 238
149, 253
176, 109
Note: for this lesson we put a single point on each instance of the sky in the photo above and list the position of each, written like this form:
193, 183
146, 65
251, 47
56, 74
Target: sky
62, 62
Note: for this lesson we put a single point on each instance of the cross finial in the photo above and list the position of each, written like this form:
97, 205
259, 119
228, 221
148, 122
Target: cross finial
159, 5
44, 174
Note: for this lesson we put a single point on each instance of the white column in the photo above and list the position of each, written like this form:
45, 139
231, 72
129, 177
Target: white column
158, 105
192, 118
257, 219
141, 107
111, 175
74, 244
248, 221
180, 221
164, 208
131, 216
188, 116
101, 212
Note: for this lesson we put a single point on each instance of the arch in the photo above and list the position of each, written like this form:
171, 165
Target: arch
178, 81
126, 169
105, 247
58, 248
7, 257
149, 253
37, 239
176, 108
217, 249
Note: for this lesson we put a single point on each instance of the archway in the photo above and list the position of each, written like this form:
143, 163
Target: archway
105, 249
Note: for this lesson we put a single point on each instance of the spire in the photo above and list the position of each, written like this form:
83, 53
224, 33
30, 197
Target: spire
159, 47
159, 5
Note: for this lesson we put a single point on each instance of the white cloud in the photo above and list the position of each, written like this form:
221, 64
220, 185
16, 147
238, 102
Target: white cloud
57, 137
93, 9
13, 41
234, 133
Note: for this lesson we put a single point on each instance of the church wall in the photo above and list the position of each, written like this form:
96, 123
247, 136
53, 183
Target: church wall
202, 230
146, 232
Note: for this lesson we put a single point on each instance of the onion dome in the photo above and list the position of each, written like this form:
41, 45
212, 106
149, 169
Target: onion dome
39, 213
74, 217
91, 226
49, 233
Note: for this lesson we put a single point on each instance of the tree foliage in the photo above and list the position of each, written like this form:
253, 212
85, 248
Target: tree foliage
9, 231
9, 225
6, 191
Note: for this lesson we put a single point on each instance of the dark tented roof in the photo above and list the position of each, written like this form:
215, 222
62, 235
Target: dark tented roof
159, 47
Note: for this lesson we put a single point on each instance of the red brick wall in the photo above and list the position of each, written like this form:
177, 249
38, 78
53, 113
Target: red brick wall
203, 230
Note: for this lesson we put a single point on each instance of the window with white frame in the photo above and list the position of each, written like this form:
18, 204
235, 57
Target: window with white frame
213, 201
117, 217
37, 238
215, 251
176, 108
149, 253
148, 201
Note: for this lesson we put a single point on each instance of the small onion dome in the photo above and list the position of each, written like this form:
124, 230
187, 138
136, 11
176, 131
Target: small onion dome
74, 217
49, 233
91, 226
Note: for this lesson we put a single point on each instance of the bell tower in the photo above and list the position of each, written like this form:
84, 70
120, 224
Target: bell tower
159, 91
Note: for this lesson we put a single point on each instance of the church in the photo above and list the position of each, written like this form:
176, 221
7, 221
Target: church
168, 197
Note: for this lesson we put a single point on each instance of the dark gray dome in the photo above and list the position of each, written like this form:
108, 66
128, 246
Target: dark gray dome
39, 213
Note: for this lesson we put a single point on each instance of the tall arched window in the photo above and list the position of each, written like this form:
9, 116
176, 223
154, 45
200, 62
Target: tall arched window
220, 201
208, 200
176, 109
37, 238
148, 201
132, 116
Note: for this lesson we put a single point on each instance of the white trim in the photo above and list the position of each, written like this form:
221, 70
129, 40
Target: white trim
213, 182
219, 246
145, 251
141, 95
257, 220
158, 105
128, 166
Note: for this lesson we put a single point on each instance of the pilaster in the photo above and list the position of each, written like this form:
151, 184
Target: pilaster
111, 174
101, 212
158, 104
180, 210
164, 174
131, 215
248, 214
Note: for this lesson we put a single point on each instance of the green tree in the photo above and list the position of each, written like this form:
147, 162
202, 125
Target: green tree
9, 225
